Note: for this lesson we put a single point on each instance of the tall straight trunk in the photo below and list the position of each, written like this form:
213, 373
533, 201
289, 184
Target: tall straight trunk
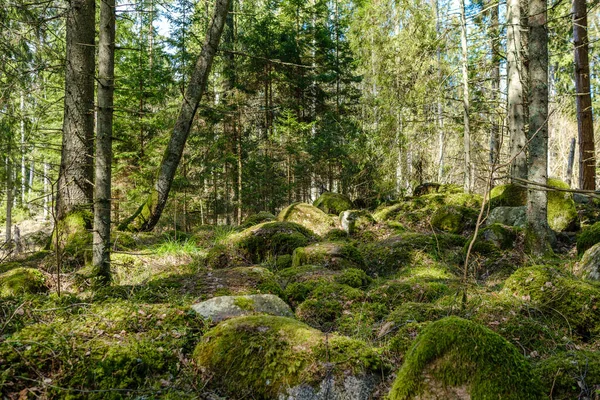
585, 123
517, 77
495, 42
23, 166
9, 195
468, 181
75, 187
102, 192
47, 194
147, 216
439, 108
538, 235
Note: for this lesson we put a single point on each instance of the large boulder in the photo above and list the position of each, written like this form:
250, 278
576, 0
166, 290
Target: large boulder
510, 216
353, 221
237, 281
588, 237
258, 243
454, 358
271, 357
21, 280
573, 374
221, 308
308, 216
589, 266
258, 218
454, 219
333, 203
334, 255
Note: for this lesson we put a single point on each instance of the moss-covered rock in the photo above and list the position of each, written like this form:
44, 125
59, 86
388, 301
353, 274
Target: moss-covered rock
258, 243
299, 282
237, 281
562, 214
454, 358
334, 255
353, 221
398, 291
221, 308
259, 218
509, 216
21, 280
509, 195
432, 187
502, 236
333, 203
397, 252
309, 217
288, 352
589, 266
454, 219
326, 303
353, 277
570, 300
570, 375
588, 237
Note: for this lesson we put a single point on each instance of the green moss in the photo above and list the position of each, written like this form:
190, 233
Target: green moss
457, 355
354, 277
501, 235
308, 216
20, 280
75, 238
333, 203
259, 218
588, 237
362, 320
288, 352
396, 292
336, 235
334, 255
245, 303
562, 214
570, 375
568, 299
326, 303
509, 195
453, 219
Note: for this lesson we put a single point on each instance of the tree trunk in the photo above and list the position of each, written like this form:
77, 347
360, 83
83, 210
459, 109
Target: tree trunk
75, 188
570, 161
495, 41
102, 193
538, 237
468, 184
9, 194
23, 167
149, 213
585, 124
517, 76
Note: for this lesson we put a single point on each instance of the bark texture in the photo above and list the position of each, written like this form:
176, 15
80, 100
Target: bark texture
538, 232
149, 213
468, 168
102, 192
517, 76
585, 123
75, 186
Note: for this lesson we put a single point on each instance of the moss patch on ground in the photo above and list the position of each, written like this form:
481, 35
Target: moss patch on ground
20, 281
454, 358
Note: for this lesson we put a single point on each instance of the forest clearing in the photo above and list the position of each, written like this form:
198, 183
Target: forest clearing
247, 199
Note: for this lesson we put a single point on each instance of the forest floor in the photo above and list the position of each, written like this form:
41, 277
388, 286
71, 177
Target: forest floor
374, 290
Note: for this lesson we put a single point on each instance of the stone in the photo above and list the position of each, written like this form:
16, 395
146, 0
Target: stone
355, 220
351, 388
589, 266
308, 216
511, 216
333, 203
221, 308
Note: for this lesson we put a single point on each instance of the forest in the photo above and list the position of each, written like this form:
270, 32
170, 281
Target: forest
285, 199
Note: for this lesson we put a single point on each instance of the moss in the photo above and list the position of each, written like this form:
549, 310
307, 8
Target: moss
562, 214
326, 303
453, 219
75, 238
283, 261
308, 216
259, 243
501, 235
299, 282
588, 237
398, 252
509, 195
235, 281
454, 355
396, 292
333, 203
362, 320
329, 254
570, 375
20, 280
245, 303
568, 299
354, 277
288, 352
259, 218
336, 235
123, 241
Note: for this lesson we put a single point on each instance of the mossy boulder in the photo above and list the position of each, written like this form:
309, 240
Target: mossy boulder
258, 218
571, 375
562, 214
454, 358
588, 237
221, 308
398, 291
398, 252
589, 266
509, 216
258, 243
502, 236
333, 203
299, 282
353, 221
334, 255
309, 217
354, 277
21, 280
432, 187
454, 219
272, 357
237, 281
570, 300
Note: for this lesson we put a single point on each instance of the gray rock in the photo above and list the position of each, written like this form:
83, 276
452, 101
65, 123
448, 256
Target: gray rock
221, 308
352, 388
355, 220
580, 198
589, 266
511, 216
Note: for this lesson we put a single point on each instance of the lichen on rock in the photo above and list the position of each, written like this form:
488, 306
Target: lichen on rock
221, 308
